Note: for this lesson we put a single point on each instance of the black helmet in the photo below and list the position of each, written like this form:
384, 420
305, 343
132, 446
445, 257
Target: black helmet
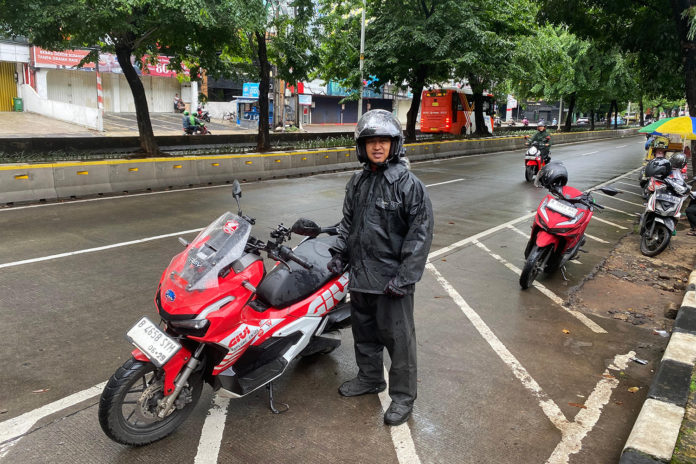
658, 167
678, 160
552, 175
379, 123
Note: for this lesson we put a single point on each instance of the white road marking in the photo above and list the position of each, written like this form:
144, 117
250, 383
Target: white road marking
596, 239
470, 239
575, 261
13, 429
618, 199
590, 153
626, 183
515, 229
91, 250
592, 325
619, 211
443, 183
211, 434
621, 146
607, 222
401, 434
586, 419
547, 405
632, 193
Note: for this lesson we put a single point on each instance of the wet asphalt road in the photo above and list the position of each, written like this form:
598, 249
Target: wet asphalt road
63, 321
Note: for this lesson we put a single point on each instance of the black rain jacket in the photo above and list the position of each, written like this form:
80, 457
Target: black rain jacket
387, 228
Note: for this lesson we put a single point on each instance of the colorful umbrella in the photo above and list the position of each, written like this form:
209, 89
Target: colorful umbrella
684, 126
652, 127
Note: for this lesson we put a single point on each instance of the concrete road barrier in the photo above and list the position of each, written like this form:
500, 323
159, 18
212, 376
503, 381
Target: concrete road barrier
35, 182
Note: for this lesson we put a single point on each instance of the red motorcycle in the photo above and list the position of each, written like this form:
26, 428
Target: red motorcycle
226, 322
533, 161
558, 232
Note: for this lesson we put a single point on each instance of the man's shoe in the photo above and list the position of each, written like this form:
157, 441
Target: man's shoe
397, 414
356, 387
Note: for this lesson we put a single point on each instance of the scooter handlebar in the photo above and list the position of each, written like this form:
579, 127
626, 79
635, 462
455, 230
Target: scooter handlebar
286, 253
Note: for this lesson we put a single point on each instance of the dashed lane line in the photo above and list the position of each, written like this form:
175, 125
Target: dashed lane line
590, 153
589, 323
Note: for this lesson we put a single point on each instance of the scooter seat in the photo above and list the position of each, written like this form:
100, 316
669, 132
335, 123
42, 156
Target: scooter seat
281, 287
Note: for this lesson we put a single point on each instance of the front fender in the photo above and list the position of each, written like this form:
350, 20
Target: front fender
544, 239
171, 369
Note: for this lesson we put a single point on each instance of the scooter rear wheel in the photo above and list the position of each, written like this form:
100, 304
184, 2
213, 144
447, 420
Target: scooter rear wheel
529, 173
536, 260
128, 404
655, 244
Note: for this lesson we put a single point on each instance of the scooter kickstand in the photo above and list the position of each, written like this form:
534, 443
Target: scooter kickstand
563, 273
269, 387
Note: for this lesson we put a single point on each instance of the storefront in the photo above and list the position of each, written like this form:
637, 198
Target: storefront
13, 57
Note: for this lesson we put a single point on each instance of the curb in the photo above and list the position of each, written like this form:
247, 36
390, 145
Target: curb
655, 432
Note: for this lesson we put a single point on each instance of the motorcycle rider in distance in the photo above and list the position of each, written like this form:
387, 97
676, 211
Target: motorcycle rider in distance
544, 140
385, 236
191, 123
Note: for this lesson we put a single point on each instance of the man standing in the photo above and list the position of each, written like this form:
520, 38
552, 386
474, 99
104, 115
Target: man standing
385, 236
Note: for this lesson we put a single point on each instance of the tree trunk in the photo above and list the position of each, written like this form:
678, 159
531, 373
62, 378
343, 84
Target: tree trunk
417, 89
688, 51
640, 106
571, 110
148, 144
481, 128
615, 106
262, 138
592, 114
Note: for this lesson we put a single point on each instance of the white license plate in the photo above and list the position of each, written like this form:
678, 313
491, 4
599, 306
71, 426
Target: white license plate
157, 346
561, 208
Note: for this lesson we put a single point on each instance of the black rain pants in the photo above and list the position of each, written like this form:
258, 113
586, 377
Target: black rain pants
380, 321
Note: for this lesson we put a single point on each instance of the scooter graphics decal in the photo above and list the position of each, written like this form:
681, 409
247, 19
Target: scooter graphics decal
230, 227
329, 298
265, 326
236, 342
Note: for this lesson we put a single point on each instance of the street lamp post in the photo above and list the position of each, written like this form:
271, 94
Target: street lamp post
362, 58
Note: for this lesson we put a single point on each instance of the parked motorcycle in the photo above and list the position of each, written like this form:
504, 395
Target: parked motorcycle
224, 321
558, 231
533, 161
203, 115
663, 209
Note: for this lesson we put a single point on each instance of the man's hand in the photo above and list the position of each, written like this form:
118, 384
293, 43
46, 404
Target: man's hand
394, 290
336, 264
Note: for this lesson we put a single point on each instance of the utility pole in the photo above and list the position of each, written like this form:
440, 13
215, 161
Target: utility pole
362, 58
560, 114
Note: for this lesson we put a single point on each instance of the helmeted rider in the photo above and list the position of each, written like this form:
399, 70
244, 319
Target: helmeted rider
385, 236
544, 140
678, 162
191, 123
659, 147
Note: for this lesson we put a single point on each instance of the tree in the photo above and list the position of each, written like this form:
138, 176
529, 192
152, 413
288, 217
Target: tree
410, 43
191, 31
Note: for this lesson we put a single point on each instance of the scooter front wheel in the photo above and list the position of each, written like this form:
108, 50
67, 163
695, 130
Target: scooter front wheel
128, 404
529, 173
536, 260
653, 245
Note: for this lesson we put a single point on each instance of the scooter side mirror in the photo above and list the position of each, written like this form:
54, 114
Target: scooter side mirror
306, 227
609, 191
236, 189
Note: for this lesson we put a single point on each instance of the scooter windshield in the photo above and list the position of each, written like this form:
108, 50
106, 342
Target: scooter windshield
216, 247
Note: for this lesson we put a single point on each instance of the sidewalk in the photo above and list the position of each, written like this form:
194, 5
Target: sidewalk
23, 125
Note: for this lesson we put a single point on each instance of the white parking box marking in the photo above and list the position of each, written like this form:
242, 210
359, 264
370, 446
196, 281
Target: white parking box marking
608, 222
401, 434
211, 435
443, 183
547, 405
515, 229
592, 325
619, 199
596, 239
586, 419
13, 429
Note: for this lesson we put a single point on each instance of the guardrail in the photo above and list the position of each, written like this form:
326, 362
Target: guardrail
49, 181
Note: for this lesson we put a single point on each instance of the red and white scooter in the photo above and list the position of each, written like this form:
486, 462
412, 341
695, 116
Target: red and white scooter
226, 322
558, 230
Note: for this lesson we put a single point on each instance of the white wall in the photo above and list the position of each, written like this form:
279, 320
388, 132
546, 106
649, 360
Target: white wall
73, 87
14, 52
81, 115
217, 109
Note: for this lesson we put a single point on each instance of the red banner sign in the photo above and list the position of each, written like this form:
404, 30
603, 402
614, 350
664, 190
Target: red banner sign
69, 59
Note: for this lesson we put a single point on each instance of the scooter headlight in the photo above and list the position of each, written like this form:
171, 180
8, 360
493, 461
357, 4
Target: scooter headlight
573, 221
